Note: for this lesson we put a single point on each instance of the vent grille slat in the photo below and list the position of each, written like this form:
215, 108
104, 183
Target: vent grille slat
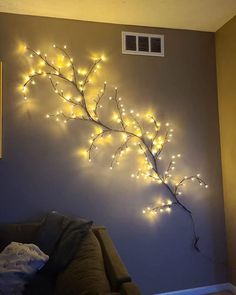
130, 42
142, 44
155, 44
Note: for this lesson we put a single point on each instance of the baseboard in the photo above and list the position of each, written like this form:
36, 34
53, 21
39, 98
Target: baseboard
203, 290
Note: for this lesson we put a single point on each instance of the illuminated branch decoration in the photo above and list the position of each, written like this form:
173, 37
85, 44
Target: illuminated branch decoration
142, 133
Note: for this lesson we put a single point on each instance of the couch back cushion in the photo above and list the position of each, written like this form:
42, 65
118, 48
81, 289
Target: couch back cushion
85, 275
22, 233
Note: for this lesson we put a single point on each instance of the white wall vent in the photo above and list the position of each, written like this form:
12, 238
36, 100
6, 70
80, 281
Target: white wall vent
142, 44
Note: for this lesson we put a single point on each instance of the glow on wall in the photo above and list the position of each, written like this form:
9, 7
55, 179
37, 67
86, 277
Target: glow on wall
137, 132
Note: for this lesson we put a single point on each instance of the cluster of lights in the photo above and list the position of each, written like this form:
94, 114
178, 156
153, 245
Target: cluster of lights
141, 132
165, 207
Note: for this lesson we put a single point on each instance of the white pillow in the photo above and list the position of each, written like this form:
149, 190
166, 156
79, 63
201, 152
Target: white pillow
18, 263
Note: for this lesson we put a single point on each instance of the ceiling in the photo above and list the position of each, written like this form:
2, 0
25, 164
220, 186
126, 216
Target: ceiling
203, 15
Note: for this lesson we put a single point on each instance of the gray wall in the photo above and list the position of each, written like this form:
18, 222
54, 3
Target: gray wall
40, 171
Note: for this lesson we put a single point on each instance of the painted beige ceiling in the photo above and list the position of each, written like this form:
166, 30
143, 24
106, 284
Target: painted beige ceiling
203, 15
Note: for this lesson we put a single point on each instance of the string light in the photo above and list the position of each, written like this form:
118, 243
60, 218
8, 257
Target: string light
149, 141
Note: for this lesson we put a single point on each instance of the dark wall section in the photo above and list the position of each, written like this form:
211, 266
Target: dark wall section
40, 170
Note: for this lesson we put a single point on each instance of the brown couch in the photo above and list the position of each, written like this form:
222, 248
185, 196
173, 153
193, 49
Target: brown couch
96, 268
117, 273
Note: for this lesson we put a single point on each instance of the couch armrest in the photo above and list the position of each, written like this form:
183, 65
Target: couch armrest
116, 270
129, 289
